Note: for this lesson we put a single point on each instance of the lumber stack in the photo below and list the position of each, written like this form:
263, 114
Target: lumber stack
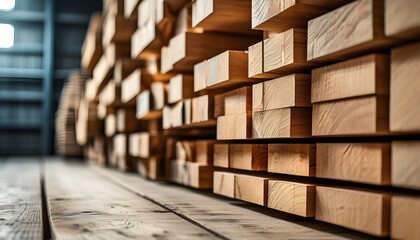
306, 107
65, 122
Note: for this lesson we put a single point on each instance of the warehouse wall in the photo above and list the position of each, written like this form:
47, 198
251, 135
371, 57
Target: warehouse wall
47, 42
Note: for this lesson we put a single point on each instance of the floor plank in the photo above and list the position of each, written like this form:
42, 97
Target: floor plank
85, 205
20, 199
231, 219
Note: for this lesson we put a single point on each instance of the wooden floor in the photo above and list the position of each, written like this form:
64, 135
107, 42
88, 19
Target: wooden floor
51, 198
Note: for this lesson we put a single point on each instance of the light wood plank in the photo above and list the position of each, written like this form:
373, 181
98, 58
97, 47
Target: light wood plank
292, 197
363, 211
238, 101
293, 159
200, 75
334, 37
248, 156
281, 15
20, 199
221, 155
202, 109
356, 116
405, 217
405, 164
367, 75
282, 123
83, 204
204, 151
285, 53
230, 16
405, 89
289, 91
180, 87
402, 27
224, 184
192, 174
236, 126
357, 162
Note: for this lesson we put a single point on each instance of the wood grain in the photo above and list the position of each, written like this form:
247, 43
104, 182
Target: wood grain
202, 108
230, 16
282, 123
405, 164
92, 44
82, 204
248, 157
396, 26
285, 53
221, 155
192, 174
405, 89
224, 184
357, 162
292, 197
237, 222
357, 116
367, 75
131, 86
405, 212
238, 101
200, 75
281, 15
234, 126
367, 212
204, 151
289, 91
180, 87
292, 159
348, 31
20, 199
251, 189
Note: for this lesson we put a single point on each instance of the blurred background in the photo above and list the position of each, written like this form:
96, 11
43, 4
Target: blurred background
40, 44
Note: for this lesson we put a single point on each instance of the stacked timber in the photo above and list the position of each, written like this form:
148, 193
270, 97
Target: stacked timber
65, 122
306, 107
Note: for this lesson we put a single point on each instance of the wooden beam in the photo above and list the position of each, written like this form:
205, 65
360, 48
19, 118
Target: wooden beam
110, 125
248, 157
126, 120
292, 197
228, 70
281, 15
124, 67
189, 48
405, 212
357, 116
363, 32
200, 76
192, 174
395, 25
289, 91
362, 76
131, 86
357, 162
185, 151
234, 126
238, 101
285, 53
367, 212
202, 109
131, 9
292, 159
92, 45
204, 151
405, 165
282, 123
221, 155
405, 89
251, 189
117, 29
230, 16
180, 87
224, 184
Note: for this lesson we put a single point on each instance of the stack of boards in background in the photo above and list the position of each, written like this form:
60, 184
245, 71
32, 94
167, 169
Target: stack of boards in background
65, 122
306, 107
